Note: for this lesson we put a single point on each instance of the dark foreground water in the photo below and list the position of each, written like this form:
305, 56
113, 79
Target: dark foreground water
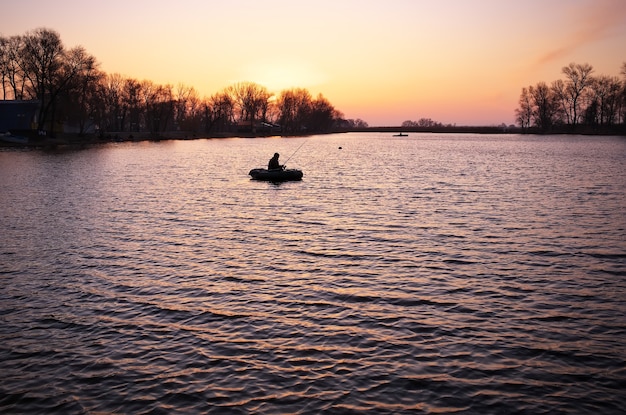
429, 274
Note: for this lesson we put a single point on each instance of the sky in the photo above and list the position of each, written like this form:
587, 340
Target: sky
460, 62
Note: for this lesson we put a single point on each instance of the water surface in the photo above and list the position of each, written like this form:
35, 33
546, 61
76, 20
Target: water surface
421, 274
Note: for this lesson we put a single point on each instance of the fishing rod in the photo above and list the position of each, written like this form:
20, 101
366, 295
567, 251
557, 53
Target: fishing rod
285, 163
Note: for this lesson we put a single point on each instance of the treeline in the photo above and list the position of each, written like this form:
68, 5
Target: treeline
72, 90
421, 123
581, 103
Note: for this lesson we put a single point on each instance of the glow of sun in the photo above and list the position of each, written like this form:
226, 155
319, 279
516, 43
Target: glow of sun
278, 76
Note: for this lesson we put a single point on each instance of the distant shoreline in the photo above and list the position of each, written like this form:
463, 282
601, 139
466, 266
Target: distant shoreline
582, 130
70, 139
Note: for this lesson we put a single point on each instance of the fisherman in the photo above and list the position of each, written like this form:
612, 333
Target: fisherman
273, 163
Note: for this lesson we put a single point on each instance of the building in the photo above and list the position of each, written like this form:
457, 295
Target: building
18, 115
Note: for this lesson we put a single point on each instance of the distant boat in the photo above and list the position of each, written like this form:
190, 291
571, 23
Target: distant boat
400, 135
276, 175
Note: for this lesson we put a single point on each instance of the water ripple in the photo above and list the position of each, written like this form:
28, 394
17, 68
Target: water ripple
486, 280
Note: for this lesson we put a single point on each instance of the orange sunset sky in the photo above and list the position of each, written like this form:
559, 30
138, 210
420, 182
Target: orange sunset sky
458, 62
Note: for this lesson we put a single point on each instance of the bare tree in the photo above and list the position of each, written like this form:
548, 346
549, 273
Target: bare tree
323, 115
544, 106
427, 123
76, 83
182, 99
578, 80
358, 123
622, 111
219, 112
16, 76
193, 109
49, 70
158, 104
115, 109
11, 67
133, 103
251, 101
524, 112
605, 95
4, 65
560, 96
69, 86
294, 107
41, 59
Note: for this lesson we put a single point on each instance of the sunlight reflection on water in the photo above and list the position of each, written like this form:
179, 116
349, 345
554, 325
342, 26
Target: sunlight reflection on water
478, 274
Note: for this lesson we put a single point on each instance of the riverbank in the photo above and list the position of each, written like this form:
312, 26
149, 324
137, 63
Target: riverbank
29, 139
60, 140
501, 129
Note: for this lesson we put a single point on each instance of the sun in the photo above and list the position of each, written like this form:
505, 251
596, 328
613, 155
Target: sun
277, 75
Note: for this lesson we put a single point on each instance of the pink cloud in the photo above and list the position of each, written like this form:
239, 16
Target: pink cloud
595, 21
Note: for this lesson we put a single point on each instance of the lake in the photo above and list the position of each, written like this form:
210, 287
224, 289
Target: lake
473, 274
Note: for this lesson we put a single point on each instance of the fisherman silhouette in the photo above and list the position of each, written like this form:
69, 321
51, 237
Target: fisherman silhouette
273, 163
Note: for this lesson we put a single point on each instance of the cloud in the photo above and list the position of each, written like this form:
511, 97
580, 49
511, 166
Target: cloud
595, 21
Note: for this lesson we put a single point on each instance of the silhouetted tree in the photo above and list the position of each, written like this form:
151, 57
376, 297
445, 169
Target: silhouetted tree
421, 123
132, 102
323, 115
569, 93
251, 101
113, 112
158, 104
358, 123
193, 108
187, 114
79, 97
427, 122
605, 96
622, 110
524, 113
544, 106
294, 107
41, 58
579, 99
78, 88
48, 70
219, 112
11, 73
70, 88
